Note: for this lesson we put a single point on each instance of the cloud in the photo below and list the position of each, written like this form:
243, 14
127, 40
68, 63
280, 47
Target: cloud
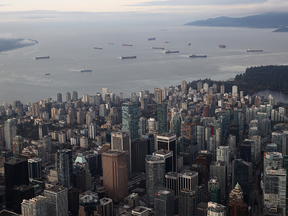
196, 2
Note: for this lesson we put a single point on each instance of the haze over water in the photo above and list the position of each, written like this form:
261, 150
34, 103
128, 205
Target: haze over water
70, 47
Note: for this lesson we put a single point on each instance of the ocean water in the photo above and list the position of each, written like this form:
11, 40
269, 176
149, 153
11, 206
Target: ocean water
70, 47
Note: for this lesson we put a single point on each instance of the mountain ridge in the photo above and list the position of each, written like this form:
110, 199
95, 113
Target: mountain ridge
267, 20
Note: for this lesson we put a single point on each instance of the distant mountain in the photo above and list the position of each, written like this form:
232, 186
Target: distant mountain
281, 30
267, 20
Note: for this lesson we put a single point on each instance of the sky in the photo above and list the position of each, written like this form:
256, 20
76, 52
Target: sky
175, 9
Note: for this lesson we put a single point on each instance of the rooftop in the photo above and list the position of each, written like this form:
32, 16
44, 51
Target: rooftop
56, 189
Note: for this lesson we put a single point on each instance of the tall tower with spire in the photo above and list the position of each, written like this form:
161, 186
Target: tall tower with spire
237, 205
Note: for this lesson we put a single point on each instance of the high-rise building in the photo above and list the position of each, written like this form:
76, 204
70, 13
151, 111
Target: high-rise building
275, 187
130, 119
158, 96
187, 202
151, 124
155, 176
92, 133
274, 159
115, 176
65, 167
164, 202
223, 154
171, 180
234, 90
187, 179
237, 206
80, 117
81, 167
84, 142
102, 110
10, 133
68, 96
122, 141
16, 174
168, 141
167, 155
206, 111
34, 207
142, 126
106, 207
57, 200
104, 92
219, 169
35, 168
214, 189
59, 97
200, 137
199, 86
88, 205
162, 117
215, 209
183, 86
241, 173
18, 145
139, 150
74, 96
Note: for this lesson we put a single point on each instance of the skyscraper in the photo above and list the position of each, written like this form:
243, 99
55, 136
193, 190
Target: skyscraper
74, 96
183, 86
187, 202
68, 96
130, 119
219, 169
115, 176
16, 174
187, 179
241, 173
234, 90
10, 133
215, 209
57, 201
65, 167
237, 206
34, 207
158, 96
59, 97
88, 204
142, 124
35, 168
222, 89
18, 145
168, 141
155, 176
162, 117
214, 189
275, 187
104, 92
164, 202
122, 141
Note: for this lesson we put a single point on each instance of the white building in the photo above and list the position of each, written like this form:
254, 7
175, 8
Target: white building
34, 207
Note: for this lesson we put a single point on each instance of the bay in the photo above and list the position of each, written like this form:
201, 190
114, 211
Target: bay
70, 47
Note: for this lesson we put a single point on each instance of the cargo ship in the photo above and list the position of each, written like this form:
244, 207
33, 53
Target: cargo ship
167, 41
111, 43
42, 57
197, 56
153, 38
86, 70
128, 57
189, 43
222, 46
171, 51
157, 47
254, 50
47, 74
98, 48
127, 45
